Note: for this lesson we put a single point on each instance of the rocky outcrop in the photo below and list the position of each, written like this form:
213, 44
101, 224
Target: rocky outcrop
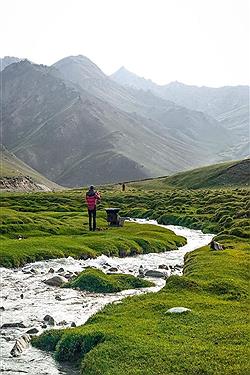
21, 183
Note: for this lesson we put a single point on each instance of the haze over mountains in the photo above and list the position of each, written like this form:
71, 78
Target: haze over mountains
76, 126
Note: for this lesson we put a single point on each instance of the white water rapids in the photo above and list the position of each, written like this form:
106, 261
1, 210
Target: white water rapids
68, 305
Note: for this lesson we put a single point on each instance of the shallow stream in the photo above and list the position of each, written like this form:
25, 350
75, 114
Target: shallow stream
68, 305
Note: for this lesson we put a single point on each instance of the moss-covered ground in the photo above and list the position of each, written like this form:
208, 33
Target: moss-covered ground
93, 280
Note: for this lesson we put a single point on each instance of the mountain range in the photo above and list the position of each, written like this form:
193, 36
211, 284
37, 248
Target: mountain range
75, 125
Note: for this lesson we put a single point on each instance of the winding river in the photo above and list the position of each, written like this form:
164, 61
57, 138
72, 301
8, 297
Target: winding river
66, 305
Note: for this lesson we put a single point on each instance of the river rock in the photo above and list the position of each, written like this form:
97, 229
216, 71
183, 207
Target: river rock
21, 344
56, 281
178, 266
2, 308
73, 324
113, 269
155, 273
178, 310
163, 267
58, 298
62, 323
60, 270
33, 270
68, 276
51, 270
49, 319
32, 331
13, 325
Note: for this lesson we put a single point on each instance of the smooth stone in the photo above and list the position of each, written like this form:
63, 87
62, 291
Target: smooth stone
60, 270
73, 324
154, 273
49, 319
2, 308
163, 267
32, 331
68, 276
178, 310
21, 344
113, 269
56, 281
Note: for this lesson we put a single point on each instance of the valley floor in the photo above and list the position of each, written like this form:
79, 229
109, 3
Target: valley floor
138, 336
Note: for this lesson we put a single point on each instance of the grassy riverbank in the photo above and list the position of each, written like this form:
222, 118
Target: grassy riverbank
139, 337
130, 240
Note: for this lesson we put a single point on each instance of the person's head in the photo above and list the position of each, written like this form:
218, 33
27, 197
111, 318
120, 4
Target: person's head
92, 188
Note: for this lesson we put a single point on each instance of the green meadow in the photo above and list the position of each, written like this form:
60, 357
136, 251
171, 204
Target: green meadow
138, 336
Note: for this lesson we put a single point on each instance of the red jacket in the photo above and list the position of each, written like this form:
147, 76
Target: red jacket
92, 197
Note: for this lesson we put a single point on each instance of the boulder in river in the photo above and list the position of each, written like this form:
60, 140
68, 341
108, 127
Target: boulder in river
56, 281
113, 269
68, 276
51, 270
2, 308
155, 273
178, 310
73, 324
32, 331
163, 267
49, 319
21, 344
60, 270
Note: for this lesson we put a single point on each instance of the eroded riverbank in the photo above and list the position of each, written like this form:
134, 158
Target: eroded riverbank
67, 306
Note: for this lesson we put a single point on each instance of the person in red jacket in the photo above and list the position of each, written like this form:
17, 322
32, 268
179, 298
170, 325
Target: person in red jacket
92, 197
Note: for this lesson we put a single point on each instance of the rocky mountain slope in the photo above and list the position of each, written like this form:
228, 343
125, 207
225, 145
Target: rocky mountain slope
213, 101
15, 175
74, 138
228, 105
77, 126
196, 131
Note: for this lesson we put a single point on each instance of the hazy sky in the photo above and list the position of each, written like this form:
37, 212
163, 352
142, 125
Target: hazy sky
202, 42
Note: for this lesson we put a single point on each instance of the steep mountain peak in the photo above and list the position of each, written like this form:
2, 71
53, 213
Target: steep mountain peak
127, 78
79, 65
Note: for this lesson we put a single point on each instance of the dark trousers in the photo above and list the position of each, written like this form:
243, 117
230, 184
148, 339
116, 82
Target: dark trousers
92, 215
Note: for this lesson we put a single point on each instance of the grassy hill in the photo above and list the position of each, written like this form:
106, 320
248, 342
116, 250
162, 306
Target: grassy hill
13, 172
228, 174
218, 175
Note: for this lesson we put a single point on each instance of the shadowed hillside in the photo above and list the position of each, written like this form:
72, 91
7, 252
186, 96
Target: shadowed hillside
15, 175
